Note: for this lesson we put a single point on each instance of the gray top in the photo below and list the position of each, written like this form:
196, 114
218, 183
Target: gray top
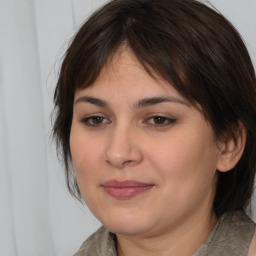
231, 236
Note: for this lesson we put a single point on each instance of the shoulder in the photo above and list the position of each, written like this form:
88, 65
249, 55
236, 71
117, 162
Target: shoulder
232, 235
252, 248
235, 234
100, 243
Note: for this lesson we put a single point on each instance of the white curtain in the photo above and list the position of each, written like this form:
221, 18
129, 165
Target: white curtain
37, 215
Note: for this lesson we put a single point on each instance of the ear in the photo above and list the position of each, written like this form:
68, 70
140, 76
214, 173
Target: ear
232, 148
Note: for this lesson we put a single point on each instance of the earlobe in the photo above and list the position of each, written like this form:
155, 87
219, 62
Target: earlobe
232, 149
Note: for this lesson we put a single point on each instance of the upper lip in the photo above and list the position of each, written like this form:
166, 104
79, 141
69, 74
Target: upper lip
125, 183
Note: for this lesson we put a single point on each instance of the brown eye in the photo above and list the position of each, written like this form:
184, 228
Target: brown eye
160, 121
95, 121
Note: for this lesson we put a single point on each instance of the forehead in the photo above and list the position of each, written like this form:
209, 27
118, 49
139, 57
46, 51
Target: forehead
124, 73
123, 63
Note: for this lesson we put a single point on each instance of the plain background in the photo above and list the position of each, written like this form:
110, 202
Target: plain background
37, 215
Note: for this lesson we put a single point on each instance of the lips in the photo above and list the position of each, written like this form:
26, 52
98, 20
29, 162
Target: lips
125, 189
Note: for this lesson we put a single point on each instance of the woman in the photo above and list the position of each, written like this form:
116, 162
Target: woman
156, 112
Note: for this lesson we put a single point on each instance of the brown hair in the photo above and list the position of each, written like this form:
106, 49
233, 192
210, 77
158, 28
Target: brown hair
192, 47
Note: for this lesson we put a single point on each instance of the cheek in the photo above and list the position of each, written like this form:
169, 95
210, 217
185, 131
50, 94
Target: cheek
85, 152
85, 157
187, 167
186, 159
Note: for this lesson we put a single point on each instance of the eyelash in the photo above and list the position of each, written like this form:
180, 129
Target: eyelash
166, 121
88, 121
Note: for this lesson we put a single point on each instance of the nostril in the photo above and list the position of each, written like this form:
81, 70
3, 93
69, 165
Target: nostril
126, 162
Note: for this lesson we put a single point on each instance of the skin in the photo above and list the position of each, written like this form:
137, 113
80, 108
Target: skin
178, 154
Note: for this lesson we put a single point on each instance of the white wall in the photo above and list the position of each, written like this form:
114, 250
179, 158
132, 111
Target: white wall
37, 215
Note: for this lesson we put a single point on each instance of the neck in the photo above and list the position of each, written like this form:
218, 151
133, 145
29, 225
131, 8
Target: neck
183, 240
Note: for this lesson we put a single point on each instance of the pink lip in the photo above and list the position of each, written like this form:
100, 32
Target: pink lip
125, 189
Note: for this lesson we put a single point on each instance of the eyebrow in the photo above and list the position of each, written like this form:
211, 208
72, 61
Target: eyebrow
92, 100
156, 100
140, 104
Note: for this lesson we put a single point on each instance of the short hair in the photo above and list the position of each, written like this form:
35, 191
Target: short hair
195, 49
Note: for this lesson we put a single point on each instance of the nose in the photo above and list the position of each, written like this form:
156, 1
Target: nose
123, 148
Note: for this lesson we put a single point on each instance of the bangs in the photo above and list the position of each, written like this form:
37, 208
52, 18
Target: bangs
192, 47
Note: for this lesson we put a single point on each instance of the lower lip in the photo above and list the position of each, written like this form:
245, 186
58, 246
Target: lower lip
126, 192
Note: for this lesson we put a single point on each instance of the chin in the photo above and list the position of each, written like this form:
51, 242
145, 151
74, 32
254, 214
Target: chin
126, 225
126, 229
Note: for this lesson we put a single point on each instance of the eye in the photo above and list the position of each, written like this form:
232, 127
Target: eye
160, 121
95, 121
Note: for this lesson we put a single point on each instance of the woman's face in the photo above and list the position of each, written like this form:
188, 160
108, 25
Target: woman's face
145, 159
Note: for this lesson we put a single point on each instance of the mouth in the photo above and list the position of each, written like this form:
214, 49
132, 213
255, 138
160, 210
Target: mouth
125, 189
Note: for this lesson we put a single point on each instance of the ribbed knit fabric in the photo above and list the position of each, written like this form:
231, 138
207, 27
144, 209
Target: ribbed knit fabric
231, 236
